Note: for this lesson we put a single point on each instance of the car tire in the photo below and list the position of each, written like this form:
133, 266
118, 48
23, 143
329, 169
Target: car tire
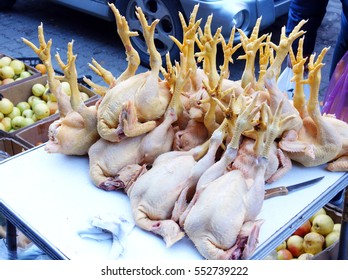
5, 4
167, 11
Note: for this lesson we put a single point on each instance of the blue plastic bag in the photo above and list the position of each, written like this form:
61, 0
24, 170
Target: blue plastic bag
336, 97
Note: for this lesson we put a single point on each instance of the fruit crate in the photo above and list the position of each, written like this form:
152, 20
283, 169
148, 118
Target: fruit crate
331, 253
35, 135
21, 92
10, 147
28, 67
33, 61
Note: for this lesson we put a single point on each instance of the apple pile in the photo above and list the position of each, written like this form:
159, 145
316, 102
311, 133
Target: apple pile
12, 70
40, 104
313, 236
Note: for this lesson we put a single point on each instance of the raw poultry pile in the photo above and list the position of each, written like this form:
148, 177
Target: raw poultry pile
193, 149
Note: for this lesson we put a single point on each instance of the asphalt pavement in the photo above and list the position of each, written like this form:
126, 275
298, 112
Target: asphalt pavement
96, 38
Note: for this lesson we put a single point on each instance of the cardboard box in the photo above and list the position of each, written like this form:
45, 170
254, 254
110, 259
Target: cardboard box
22, 92
34, 135
331, 253
10, 147
34, 74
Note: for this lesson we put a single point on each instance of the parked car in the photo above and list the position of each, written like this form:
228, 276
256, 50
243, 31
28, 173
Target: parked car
226, 13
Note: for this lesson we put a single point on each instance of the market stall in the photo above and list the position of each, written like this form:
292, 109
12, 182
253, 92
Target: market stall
105, 183
51, 198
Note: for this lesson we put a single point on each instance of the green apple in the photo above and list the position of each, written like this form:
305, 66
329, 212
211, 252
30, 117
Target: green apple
23, 105
28, 121
320, 211
84, 96
50, 96
25, 74
2, 127
331, 238
6, 106
17, 66
322, 224
18, 122
1, 116
28, 113
337, 227
14, 113
37, 101
38, 89
7, 72
31, 99
7, 123
66, 88
5, 61
41, 110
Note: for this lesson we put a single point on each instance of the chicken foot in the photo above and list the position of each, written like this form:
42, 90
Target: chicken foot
284, 46
44, 54
132, 56
187, 47
251, 46
298, 62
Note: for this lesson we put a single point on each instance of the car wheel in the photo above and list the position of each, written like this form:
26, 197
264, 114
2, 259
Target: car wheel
167, 11
5, 4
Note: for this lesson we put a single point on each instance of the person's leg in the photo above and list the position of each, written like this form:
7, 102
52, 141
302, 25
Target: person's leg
342, 39
314, 11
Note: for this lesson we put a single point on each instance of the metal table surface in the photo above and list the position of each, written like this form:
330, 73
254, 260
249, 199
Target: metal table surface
50, 198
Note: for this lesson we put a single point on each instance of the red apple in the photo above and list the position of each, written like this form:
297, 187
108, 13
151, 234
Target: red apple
295, 245
303, 229
284, 254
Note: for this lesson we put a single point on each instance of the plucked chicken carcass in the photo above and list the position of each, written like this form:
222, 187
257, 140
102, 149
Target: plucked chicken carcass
75, 131
207, 169
154, 194
234, 234
322, 139
147, 92
108, 159
238, 118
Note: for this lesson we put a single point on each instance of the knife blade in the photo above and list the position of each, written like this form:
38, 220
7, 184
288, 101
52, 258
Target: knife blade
284, 190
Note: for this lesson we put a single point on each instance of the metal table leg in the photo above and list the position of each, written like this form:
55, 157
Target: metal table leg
11, 240
343, 247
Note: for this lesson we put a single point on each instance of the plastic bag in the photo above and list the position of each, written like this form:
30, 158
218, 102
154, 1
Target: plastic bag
336, 97
285, 85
